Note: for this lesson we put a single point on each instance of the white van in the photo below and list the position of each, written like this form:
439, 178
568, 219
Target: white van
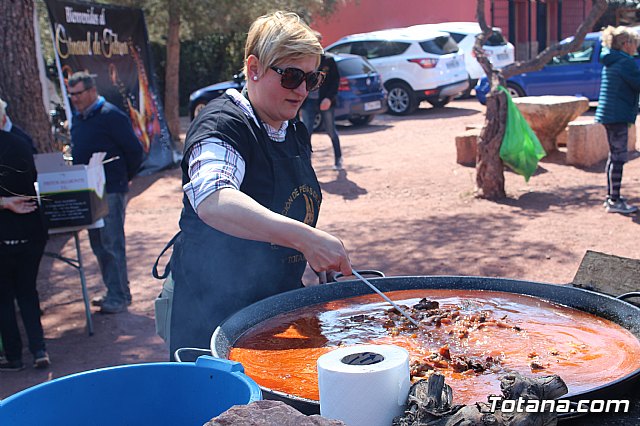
498, 50
428, 66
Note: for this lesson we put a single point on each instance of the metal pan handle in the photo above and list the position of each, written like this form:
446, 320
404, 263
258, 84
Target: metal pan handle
364, 272
628, 295
178, 352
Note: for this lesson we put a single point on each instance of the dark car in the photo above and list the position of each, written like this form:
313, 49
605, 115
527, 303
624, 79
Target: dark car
361, 94
201, 97
576, 74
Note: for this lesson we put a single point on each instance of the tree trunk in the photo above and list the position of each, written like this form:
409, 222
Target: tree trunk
172, 76
20, 83
489, 167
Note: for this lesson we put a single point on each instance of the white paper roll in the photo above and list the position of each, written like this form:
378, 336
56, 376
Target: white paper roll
364, 385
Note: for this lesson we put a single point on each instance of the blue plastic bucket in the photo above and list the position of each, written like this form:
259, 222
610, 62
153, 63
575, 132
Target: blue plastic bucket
156, 394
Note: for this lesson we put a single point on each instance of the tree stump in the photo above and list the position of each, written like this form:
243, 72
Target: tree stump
606, 273
467, 147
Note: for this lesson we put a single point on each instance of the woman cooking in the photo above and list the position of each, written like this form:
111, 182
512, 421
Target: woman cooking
251, 196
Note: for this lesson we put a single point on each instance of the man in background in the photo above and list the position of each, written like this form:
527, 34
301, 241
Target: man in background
99, 126
324, 101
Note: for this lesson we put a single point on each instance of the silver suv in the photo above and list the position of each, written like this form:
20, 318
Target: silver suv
414, 66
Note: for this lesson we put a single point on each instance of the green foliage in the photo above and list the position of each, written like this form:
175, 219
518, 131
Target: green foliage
200, 18
209, 60
44, 27
212, 35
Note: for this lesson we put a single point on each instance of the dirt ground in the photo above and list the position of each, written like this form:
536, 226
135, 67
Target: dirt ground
401, 205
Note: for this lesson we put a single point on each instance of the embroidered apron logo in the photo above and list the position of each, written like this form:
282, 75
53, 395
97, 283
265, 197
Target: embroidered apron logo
309, 195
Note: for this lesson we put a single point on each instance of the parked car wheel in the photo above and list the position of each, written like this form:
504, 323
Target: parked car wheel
400, 98
439, 102
467, 93
317, 123
515, 91
361, 120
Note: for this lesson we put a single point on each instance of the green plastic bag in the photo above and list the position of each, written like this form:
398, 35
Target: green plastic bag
520, 150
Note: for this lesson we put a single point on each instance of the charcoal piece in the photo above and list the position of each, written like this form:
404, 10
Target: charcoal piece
430, 403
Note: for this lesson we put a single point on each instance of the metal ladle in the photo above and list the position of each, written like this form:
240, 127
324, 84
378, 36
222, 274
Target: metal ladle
384, 296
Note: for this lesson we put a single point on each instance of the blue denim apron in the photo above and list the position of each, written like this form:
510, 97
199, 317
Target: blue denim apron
216, 274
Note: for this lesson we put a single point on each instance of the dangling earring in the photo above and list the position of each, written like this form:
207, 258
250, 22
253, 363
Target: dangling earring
255, 78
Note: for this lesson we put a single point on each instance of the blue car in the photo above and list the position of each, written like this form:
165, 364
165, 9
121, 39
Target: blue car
576, 74
361, 94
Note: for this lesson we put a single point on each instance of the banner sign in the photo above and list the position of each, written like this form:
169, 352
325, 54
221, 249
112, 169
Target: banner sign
111, 43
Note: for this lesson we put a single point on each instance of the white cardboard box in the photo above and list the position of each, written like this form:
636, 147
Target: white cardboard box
71, 195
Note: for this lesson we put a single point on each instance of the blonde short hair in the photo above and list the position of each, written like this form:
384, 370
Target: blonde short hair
616, 37
279, 36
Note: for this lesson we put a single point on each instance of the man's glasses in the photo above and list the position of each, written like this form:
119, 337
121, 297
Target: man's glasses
293, 77
78, 93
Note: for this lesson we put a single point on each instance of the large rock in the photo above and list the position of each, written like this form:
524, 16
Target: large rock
269, 413
587, 143
549, 115
632, 137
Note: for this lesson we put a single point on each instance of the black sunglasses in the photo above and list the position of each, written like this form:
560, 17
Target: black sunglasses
293, 77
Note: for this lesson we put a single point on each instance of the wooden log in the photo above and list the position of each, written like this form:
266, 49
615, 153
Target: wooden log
467, 147
609, 274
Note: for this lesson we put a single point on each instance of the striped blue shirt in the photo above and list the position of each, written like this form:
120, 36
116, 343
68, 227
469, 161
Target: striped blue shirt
214, 164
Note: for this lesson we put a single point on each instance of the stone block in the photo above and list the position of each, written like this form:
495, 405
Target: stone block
269, 413
561, 139
586, 143
632, 138
467, 147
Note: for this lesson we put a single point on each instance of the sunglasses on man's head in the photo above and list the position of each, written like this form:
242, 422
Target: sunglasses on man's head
291, 78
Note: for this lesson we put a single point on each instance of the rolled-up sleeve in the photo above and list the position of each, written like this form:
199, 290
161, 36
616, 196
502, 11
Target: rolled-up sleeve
213, 164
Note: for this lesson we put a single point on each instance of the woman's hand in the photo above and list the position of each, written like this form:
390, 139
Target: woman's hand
324, 252
18, 205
